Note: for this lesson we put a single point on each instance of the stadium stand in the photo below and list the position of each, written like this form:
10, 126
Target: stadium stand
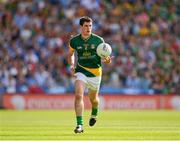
144, 35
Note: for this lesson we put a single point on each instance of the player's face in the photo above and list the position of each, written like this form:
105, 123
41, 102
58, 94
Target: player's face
86, 28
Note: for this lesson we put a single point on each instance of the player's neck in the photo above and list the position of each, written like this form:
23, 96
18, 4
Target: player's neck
85, 37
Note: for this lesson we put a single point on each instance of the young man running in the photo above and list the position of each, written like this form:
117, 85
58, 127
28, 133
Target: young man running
88, 70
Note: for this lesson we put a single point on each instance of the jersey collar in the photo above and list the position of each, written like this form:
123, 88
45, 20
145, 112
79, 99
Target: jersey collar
86, 38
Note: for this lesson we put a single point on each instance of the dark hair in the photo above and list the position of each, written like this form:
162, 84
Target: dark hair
84, 19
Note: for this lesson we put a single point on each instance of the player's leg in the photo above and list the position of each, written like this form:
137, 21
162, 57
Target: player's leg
94, 99
94, 84
79, 103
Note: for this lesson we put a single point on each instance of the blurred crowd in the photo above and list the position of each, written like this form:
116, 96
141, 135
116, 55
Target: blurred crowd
144, 35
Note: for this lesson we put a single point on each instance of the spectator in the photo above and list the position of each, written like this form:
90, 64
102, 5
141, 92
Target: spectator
144, 36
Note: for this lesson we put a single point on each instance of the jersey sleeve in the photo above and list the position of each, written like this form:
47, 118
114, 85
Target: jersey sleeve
102, 40
71, 44
71, 49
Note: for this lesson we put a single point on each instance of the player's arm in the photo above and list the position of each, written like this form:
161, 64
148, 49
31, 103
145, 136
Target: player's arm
71, 58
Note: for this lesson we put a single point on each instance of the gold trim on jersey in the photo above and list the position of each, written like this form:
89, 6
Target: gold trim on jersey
71, 49
95, 71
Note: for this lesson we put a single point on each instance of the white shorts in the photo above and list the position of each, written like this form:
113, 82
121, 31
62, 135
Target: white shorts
92, 83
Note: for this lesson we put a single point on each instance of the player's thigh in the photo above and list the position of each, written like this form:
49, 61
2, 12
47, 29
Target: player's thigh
79, 87
80, 83
93, 84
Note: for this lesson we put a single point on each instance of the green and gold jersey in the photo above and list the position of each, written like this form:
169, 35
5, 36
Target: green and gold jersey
88, 63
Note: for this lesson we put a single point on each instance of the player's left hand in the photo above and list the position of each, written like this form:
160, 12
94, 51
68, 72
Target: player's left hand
107, 60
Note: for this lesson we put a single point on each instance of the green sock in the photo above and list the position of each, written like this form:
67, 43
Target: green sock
94, 111
79, 120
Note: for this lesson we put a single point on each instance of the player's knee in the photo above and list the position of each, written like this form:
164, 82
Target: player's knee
95, 101
79, 97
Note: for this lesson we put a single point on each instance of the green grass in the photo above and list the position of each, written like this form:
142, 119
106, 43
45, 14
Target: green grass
111, 125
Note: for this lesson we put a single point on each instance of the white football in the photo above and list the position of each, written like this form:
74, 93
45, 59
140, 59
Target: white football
104, 50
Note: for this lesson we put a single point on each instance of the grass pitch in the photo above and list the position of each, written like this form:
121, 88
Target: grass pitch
111, 125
